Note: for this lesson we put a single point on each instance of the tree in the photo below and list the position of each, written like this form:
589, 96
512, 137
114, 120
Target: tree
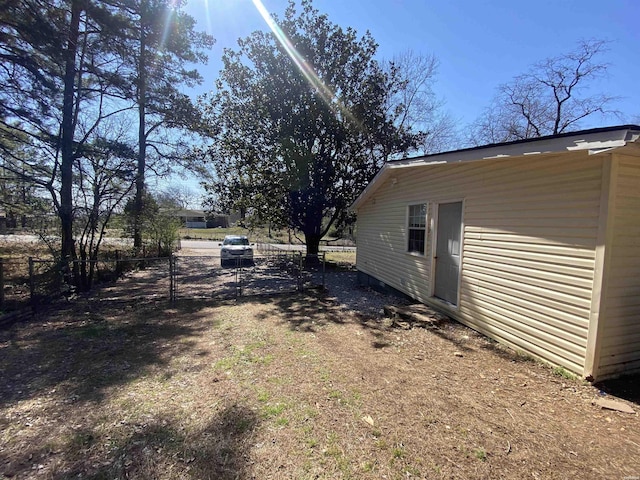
162, 43
104, 178
178, 195
551, 98
160, 224
70, 107
303, 123
70, 65
56, 62
413, 103
32, 50
30, 54
19, 198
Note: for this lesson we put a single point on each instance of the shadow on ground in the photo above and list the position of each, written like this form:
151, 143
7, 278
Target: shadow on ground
314, 309
77, 350
157, 449
627, 387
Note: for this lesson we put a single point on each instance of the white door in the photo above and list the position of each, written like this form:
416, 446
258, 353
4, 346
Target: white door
448, 250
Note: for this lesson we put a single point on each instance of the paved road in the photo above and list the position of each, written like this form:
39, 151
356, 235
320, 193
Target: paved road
20, 238
200, 244
214, 246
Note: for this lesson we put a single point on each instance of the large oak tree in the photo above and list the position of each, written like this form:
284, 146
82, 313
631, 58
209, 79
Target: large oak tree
304, 123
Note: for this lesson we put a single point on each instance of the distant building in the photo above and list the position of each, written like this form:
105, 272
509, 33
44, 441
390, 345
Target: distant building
192, 218
215, 220
202, 219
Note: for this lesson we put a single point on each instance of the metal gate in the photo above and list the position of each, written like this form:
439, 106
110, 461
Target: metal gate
269, 273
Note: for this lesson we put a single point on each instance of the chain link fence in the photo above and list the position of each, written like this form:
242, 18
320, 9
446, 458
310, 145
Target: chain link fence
33, 282
37, 282
268, 273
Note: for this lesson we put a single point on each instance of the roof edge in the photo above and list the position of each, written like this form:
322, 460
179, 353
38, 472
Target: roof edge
592, 131
596, 140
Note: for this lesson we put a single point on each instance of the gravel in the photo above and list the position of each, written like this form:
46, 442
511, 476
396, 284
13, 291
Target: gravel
200, 274
343, 288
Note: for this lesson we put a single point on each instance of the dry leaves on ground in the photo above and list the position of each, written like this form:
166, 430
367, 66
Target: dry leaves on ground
290, 386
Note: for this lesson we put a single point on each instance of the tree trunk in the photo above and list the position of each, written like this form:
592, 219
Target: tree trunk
23, 217
313, 248
83, 283
142, 138
66, 147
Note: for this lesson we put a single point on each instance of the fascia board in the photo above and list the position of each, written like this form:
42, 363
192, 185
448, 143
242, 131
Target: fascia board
593, 141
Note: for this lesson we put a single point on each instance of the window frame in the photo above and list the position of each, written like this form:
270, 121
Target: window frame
414, 227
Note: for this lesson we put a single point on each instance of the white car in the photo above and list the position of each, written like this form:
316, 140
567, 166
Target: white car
236, 250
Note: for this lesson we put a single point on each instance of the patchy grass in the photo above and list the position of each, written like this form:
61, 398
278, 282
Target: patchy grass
480, 454
342, 260
15, 256
286, 387
564, 373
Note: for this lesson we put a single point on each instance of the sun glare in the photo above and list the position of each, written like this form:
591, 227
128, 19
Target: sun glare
207, 14
304, 67
167, 27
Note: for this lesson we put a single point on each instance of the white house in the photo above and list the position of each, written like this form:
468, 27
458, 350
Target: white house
534, 243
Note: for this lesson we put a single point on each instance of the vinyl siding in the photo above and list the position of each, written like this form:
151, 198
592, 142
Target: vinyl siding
620, 332
530, 228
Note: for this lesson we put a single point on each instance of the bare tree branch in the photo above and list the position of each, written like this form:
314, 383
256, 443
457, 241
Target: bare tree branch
551, 98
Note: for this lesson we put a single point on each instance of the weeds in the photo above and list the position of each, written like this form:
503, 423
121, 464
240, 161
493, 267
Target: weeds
243, 425
334, 451
398, 452
368, 467
225, 364
335, 395
564, 373
523, 356
480, 454
274, 410
412, 471
282, 422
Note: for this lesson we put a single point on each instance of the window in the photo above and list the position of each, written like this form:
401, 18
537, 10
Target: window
417, 228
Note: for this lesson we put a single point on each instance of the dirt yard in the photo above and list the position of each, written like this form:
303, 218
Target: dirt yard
299, 386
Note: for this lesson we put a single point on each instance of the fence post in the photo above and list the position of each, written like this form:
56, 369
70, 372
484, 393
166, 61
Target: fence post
236, 283
117, 264
32, 285
172, 280
324, 254
1, 282
300, 281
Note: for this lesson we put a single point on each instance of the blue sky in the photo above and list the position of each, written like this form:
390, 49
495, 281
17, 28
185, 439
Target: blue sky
479, 44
